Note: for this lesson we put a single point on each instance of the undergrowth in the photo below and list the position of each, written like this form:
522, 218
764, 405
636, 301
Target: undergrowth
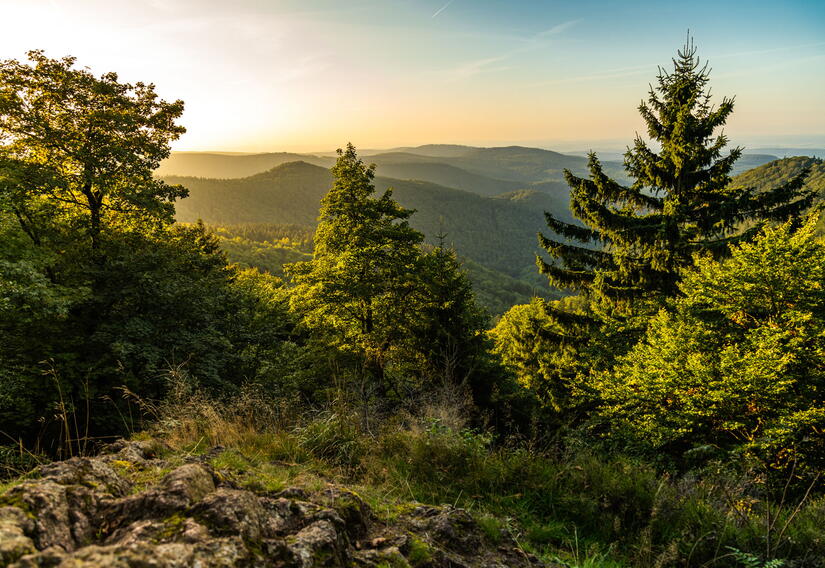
574, 508
578, 509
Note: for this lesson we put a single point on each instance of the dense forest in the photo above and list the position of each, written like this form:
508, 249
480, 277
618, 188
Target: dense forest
612, 364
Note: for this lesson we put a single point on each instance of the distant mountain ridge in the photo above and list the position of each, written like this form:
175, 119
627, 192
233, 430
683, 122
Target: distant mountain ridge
497, 233
491, 221
486, 171
230, 166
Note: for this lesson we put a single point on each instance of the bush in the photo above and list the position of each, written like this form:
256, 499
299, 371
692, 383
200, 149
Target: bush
736, 365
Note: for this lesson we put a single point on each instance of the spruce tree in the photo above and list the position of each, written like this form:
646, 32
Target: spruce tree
634, 240
357, 290
449, 324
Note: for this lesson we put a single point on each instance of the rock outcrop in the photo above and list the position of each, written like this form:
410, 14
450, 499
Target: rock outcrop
89, 512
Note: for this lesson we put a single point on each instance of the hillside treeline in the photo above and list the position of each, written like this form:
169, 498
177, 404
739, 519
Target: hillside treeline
667, 411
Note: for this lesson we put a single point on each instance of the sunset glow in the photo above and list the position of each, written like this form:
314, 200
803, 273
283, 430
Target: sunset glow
310, 75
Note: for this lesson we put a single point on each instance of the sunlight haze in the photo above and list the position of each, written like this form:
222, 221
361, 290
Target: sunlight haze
308, 75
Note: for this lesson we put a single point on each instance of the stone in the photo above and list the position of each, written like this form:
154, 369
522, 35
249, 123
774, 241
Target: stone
177, 491
93, 473
351, 508
63, 516
233, 512
319, 545
454, 529
14, 524
82, 513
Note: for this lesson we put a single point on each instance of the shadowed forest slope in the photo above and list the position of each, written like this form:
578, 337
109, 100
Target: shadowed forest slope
497, 234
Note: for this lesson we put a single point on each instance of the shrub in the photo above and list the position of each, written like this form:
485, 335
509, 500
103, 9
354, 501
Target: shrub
736, 365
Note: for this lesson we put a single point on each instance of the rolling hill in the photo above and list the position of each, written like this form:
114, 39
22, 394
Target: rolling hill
748, 159
485, 171
774, 174
223, 166
780, 171
496, 235
437, 150
412, 167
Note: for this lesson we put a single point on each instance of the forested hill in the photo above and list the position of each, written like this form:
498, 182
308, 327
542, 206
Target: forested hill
486, 171
779, 171
499, 234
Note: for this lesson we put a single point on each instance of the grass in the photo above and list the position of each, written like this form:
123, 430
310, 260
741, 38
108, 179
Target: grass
578, 509
493, 528
420, 553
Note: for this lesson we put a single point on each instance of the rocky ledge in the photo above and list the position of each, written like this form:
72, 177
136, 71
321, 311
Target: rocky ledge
89, 512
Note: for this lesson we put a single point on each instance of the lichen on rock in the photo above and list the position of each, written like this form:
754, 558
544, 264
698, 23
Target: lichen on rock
92, 512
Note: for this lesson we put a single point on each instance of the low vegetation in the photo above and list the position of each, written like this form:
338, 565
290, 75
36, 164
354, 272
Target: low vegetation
576, 506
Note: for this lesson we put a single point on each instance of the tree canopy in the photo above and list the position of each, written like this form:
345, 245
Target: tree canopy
738, 363
360, 280
75, 145
634, 241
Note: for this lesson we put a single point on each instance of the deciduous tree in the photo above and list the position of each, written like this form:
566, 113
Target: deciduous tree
80, 146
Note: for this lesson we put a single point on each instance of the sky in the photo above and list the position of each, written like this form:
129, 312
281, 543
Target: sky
310, 75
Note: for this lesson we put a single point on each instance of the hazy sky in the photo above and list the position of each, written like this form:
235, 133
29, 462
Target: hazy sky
261, 75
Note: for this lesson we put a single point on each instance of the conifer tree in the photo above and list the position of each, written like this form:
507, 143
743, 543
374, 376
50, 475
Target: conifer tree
634, 241
358, 287
449, 324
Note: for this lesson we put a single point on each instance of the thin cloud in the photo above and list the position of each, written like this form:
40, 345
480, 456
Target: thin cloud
479, 66
557, 29
608, 74
774, 67
536, 42
444, 7
765, 51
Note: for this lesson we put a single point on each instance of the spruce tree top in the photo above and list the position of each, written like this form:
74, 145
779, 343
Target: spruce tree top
351, 218
634, 241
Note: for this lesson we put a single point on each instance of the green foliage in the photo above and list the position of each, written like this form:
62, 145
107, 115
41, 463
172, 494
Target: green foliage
264, 256
627, 255
497, 236
420, 553
497, 292
526, 340
738, 363
448, 329
27, 294
592, 510
748, 560
160, 300
97, 289
355, 291
78, 146
401, 320
16, 461
269, 247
